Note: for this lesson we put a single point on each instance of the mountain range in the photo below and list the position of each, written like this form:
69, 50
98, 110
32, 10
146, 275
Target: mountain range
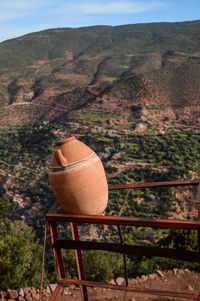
133, 77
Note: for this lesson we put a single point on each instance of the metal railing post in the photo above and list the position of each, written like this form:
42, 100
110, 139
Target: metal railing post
79, 261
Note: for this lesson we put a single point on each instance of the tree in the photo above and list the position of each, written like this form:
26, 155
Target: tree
102, 265
181, 239
98, 265
3, 207
20, 254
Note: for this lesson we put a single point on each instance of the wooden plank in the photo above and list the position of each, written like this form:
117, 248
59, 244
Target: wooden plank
129, 249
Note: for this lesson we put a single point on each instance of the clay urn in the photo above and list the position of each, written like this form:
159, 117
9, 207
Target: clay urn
77, 178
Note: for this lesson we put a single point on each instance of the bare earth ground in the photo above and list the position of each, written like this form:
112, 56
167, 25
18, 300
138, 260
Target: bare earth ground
184, 282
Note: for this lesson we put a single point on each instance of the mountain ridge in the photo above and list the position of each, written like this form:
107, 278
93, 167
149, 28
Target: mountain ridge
104, 68
134, 31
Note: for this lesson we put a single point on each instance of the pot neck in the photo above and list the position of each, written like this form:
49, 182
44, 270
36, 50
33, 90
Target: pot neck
63, 141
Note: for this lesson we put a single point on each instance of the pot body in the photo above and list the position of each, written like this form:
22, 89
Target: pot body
78, 178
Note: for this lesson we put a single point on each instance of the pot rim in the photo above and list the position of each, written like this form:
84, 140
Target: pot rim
65, 140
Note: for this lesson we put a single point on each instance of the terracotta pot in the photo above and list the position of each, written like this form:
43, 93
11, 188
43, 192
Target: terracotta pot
78, 178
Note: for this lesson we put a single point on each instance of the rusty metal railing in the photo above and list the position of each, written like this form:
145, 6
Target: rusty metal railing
53, 218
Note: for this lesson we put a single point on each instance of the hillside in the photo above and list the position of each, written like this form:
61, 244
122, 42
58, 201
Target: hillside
150, 73
132, 93
125, 91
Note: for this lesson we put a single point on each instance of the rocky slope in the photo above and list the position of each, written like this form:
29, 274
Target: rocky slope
183, 281
147, 73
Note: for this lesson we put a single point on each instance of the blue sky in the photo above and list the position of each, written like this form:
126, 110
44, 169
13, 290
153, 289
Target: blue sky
19, 17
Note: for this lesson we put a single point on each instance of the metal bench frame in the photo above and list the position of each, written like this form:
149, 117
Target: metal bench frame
53, 218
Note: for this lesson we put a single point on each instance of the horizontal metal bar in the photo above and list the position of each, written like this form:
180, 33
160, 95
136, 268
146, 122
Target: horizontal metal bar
154, 184
129, 249
124, 221
141, 290
142, 185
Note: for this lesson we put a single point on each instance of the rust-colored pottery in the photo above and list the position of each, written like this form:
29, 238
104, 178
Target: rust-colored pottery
78, 178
